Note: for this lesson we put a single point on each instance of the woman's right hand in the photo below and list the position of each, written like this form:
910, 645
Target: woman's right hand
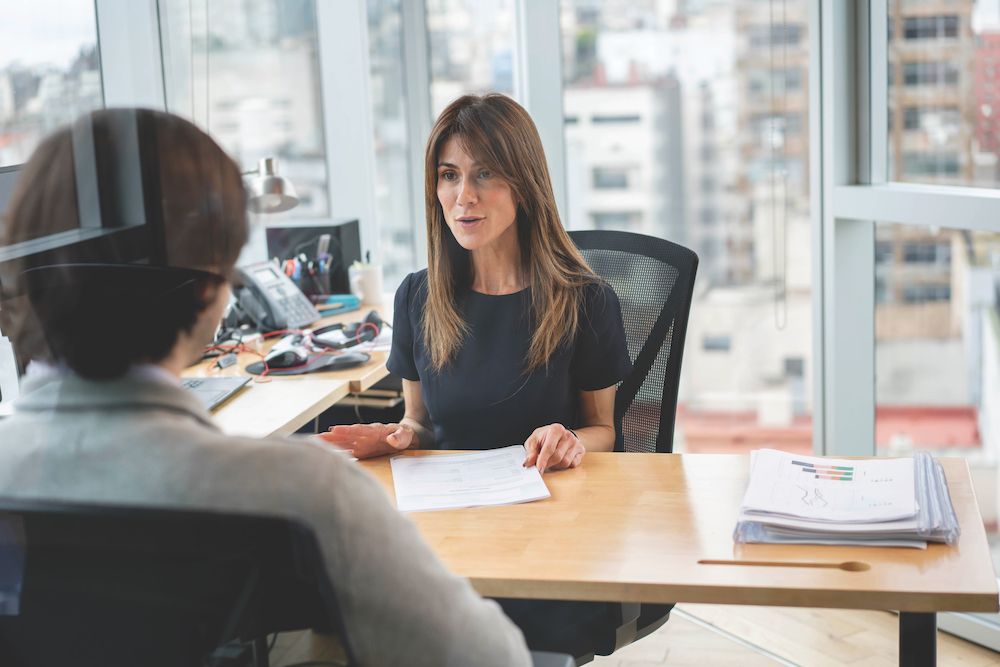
368, 440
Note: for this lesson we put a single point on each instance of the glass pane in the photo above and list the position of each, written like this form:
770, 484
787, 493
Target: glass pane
691, 124
472, 48
50, 71
248, 73
944, 92
392, 194
937, 351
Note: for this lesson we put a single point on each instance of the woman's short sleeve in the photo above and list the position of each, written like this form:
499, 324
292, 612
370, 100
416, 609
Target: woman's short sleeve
401, 359
600, 358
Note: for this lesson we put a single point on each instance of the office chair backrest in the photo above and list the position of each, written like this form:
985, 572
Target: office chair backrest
116, 586
654, 281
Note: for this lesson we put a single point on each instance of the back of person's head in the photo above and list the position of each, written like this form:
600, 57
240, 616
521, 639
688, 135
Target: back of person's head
498, 133
144, 216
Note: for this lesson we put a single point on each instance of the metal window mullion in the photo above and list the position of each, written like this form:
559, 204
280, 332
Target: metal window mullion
848, 248
342, 32
128, 34
417, 85
861, 39
878, 92
816, 222
538, 83
921, 205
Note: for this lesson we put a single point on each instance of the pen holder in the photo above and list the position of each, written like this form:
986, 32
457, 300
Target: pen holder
313, 283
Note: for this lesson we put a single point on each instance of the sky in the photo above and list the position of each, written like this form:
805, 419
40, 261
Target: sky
45, 31
986, 15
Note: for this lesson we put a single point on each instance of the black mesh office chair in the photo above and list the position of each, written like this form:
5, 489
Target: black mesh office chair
654, 281
115, 586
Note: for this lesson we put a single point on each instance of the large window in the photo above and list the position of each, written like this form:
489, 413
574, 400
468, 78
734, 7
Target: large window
937, 351
247, 71
397, 241
49, 71
911, 254
692, 125
944, 93
471, 48
937, 343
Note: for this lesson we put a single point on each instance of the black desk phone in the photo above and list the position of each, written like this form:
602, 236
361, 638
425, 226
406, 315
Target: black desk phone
272, 299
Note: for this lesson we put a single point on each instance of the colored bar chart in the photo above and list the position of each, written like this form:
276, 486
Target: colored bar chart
819, 471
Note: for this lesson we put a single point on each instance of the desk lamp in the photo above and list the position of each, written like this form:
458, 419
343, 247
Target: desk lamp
270, 193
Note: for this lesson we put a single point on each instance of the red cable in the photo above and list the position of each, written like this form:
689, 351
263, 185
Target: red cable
364, 325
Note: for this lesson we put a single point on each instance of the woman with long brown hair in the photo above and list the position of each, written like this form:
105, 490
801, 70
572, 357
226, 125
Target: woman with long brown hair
507, 337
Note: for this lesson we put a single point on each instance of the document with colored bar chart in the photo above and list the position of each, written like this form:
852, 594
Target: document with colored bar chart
830, 490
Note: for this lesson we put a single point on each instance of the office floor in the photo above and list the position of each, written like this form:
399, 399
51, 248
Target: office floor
719, 635
702, 635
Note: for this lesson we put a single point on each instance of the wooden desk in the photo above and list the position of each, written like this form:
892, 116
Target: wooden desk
358, 378
261, 409
641, 528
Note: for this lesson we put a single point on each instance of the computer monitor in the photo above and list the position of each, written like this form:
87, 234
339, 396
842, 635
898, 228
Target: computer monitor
290, 240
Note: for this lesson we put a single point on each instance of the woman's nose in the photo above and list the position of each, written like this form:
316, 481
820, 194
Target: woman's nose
466, 193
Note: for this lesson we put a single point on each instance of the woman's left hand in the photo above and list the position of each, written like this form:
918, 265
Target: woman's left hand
553, 447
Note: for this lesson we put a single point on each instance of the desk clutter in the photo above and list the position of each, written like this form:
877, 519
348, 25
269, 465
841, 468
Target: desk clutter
323, 349
792, 499
333, 347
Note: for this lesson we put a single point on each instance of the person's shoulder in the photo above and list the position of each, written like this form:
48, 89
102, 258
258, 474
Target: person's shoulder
414, 286
415, 279
597, 294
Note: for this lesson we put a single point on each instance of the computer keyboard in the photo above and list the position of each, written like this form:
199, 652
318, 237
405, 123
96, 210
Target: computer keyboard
213, 391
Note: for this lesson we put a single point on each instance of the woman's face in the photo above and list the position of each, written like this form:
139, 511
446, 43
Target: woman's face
478, 205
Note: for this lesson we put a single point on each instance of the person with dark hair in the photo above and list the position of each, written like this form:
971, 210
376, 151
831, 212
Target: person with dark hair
111, 318
508, 336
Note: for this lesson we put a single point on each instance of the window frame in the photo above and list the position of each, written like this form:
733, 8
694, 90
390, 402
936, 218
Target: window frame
128, 50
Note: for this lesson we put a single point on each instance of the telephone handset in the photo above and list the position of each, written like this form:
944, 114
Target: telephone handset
272, 300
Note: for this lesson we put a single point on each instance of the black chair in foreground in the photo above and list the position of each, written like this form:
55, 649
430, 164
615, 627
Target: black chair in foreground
654, 281
116, 586
113, 586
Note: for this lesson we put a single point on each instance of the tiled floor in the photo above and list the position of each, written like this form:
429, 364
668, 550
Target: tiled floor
718, 635
707, 635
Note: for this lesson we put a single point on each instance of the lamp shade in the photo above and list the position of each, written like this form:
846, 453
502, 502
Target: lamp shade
270, 193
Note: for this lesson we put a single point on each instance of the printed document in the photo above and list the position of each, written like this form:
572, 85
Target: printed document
823, 489
451, 481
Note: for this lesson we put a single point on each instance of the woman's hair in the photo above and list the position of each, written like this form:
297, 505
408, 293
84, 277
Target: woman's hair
499, 133
110, 170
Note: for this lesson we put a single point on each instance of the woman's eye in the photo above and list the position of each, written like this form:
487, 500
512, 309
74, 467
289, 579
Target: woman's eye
485, 174
448, 175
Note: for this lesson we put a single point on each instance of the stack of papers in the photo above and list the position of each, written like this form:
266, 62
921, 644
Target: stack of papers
794, 499
450, 481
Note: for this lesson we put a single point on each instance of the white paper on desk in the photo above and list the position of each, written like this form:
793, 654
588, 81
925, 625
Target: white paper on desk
905, 526
825, 489
451, 481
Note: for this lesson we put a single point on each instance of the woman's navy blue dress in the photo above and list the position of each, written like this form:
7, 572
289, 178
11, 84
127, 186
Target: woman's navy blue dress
483, 399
